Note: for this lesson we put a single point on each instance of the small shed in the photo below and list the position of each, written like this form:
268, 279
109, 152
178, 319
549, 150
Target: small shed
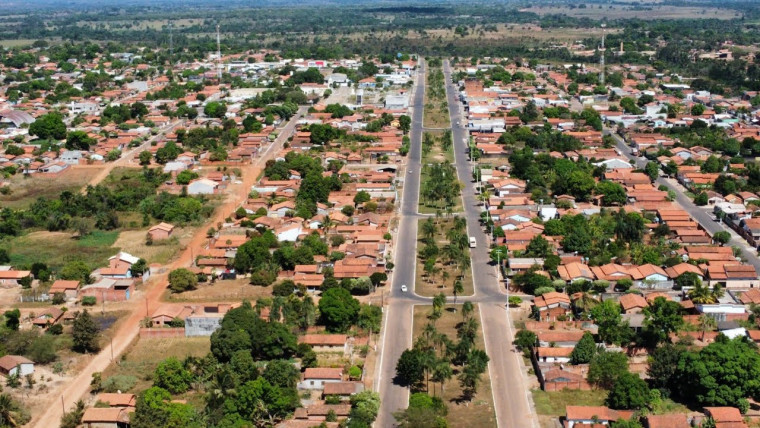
161, 231
11, 365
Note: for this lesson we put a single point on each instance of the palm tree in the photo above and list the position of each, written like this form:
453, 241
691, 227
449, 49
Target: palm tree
439, 301
706, 322
7, 407
460, 224
442, 372
429, 229
464, 263
428, 361
701, 294
458, 289
429, 333
467, 309
444, 277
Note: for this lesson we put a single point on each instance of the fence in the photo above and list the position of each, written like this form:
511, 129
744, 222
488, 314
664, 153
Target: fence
161, 333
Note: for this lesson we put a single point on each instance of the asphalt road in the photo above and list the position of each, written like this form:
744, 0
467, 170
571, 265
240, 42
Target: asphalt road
700, 214
511, 402
397, 328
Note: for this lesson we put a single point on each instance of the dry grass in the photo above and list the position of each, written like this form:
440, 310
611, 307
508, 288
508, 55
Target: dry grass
423, 286
480, 411
27, 189
143, 356
649, 11
552, 403
58, 248
133, 242
225, 290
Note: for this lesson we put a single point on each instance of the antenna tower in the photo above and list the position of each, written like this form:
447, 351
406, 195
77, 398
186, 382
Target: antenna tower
171, 44
601, 59
218, 55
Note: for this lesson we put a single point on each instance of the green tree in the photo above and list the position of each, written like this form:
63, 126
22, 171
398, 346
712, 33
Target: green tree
76, 271
78, 140
663, 367
525, 340
720, 374
338, 309
182, 280
606, 367
172, 376
661, 318
85, 333
12, 318
580, 184
607, 317
49, 126
538, 247
155, 409
145, 157
215, 109
630, 392
410, 370
612, 193
722, 237
364, 409
281, 373
405, 123
652, 170
584, 350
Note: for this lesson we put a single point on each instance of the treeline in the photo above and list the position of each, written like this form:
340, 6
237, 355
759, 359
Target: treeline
249, 377
99, 206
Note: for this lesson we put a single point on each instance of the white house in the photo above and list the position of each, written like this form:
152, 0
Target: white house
202, 186
11, 365
614, 163
316, 378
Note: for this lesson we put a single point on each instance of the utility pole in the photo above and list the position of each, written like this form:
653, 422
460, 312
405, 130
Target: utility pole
601, 59
218, 56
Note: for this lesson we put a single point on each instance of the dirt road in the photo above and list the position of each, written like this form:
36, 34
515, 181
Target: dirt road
130, 155
154, 289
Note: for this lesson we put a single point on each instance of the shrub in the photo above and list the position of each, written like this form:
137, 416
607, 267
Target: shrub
121, 383
89, 301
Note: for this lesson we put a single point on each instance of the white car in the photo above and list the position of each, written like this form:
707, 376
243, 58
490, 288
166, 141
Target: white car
403, 288
410, 171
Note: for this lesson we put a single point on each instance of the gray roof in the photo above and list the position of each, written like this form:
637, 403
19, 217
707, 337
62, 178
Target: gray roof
18, 117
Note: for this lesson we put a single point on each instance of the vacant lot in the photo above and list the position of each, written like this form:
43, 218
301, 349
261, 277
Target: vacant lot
142, 358
553, 403
134, 242
650, 11
479, 412
224, 290
26, 189
58, 248
430, 286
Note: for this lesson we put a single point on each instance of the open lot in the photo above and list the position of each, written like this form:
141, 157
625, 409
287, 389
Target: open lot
480, 411
134, 242
647, 11
58, 248
26, 189
425, 286
224, 290
143, 356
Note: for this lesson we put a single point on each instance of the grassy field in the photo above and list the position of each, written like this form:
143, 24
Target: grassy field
553, 403
224, 290
424, 286
650, 11
480, 411
27, 189
58, 248
143, 356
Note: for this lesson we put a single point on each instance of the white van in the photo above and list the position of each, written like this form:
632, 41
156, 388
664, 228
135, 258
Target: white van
473, 243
